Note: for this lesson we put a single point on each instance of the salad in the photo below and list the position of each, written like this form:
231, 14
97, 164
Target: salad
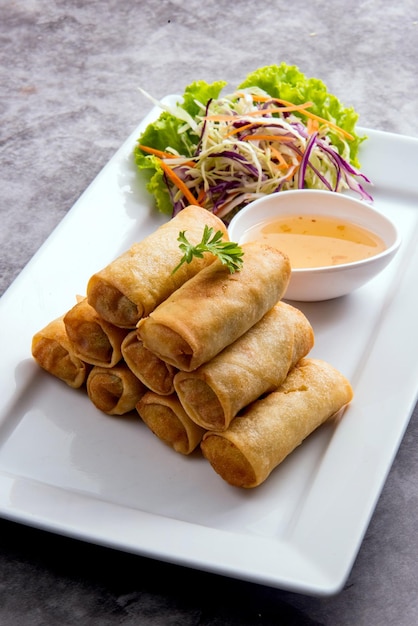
277, 131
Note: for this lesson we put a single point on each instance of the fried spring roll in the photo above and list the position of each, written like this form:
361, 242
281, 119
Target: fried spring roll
115, 390
137, 281
255, 364
215, 307
167, 419
93, 339
260, 438
157, 375
52, 350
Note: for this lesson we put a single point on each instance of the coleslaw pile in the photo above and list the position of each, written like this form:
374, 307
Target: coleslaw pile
277, 131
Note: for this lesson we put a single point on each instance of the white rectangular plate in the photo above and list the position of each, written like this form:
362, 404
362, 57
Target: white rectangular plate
69, 469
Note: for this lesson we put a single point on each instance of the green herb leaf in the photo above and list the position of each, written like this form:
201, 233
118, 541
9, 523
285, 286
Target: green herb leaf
228, 252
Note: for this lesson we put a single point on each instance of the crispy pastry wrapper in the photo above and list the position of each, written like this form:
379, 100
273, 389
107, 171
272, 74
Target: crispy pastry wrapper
264, 434
93, 339
167, 419
52, 350
256, 363
215, 307
114, 390
157, 375
131, 286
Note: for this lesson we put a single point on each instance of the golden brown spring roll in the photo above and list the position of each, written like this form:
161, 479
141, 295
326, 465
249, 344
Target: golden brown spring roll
157, 375
262, 436
114, 390
167, 419
52, 350
137, 281
215, 307
93, 339
256, 363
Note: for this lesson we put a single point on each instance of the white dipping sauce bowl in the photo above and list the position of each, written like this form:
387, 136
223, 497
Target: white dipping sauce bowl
322, 283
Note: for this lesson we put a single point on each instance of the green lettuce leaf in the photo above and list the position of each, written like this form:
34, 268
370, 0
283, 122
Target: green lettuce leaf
202, 92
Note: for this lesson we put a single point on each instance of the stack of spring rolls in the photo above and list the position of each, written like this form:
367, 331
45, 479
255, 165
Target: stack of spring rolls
207, 358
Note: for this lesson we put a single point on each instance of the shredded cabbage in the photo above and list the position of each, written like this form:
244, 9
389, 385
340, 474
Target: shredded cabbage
223, 152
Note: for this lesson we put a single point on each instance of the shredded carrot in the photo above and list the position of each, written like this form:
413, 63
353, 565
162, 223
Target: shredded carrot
266, 137
235, 131
312, 126
286, 103
291, 173
283, 164
328, 123
165, 155
240, 129
178, 182
155, 152
201, 197
283, 109
321, 119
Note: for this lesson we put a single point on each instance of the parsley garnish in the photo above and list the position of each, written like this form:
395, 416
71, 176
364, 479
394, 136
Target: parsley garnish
228, 252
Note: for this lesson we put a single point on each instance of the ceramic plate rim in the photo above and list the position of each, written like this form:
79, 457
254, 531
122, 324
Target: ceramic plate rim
185, 543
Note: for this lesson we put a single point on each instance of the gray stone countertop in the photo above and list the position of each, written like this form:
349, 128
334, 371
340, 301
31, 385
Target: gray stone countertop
69, 74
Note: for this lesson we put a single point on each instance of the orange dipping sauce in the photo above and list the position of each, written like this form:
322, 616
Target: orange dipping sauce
317, 240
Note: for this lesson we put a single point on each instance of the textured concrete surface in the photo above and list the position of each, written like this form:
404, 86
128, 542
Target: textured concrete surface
69, 74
